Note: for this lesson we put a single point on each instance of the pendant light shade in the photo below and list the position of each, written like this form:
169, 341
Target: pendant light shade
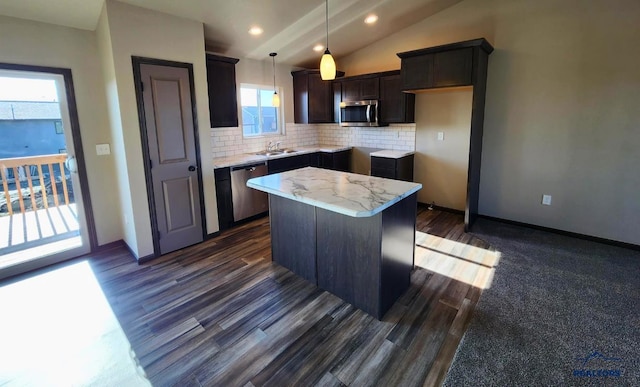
327, 67
275, 101
327, 64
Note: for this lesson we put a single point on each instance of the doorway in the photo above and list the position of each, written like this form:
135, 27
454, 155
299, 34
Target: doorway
44, 202
169, 134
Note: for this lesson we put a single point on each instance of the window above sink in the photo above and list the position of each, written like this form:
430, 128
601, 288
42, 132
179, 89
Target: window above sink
259, 116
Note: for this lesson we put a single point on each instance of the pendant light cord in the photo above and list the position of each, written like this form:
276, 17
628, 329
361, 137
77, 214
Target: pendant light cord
327, 19
273, 60
276, 97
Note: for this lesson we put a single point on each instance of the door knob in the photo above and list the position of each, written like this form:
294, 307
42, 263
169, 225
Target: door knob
192, 168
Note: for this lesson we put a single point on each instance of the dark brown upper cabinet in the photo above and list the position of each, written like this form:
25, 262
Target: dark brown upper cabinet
313, 98
452, 68
386, 87
361, 89
223, 101
442, 69
396, 107
457, 64
449, 65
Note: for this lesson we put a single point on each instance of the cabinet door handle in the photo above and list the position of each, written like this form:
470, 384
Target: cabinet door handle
192, 168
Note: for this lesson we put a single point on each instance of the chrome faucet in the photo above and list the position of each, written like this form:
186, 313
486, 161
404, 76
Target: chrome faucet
271, 146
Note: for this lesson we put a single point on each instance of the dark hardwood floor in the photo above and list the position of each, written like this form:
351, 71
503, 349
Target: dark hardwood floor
221, 313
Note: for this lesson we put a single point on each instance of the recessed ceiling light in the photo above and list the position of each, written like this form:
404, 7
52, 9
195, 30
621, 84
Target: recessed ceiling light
371, 19
255, 30
318, 47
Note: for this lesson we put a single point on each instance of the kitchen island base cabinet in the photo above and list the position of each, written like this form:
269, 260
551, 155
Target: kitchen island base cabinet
293, 236
367, 261
352, 235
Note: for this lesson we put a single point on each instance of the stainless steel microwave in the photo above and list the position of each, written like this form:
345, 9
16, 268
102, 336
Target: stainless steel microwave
359, 113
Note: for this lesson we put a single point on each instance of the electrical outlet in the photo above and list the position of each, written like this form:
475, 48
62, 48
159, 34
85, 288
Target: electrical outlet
103, 149
440, 136
546, 200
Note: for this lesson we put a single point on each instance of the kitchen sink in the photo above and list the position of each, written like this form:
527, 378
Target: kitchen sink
269, 153
275, 152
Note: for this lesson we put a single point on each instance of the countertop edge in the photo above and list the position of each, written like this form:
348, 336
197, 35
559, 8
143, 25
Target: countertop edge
256, 159
391, 154
333, 208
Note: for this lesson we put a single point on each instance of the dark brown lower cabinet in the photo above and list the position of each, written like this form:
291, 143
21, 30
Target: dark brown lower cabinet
289, 163
399, 169
338, 161
223, 195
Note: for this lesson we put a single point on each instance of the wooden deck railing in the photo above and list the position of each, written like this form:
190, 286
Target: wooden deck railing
29, 171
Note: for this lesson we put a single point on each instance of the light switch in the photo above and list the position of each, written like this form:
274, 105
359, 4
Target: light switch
546, 200
440, 136
103, 149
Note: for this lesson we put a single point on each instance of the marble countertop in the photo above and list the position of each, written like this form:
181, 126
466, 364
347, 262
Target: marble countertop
250, 158
342, 192
391, 154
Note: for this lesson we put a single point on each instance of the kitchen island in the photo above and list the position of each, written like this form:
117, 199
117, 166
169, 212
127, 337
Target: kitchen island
352, 235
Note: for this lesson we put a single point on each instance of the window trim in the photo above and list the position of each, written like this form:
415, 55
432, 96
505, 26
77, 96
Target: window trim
279, 110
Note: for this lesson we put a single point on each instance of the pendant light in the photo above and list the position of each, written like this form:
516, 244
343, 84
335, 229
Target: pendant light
276, 98
327, 64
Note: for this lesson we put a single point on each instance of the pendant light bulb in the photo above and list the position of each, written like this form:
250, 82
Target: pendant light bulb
327, 64
275, 100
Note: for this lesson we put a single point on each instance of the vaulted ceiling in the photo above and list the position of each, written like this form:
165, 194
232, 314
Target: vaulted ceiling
291, 27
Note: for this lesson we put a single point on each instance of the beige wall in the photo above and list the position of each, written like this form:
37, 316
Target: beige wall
260, 72
441, 165
134, 31
561, 111
33, 43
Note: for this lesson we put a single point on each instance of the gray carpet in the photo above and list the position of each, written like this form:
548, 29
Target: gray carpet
560, 311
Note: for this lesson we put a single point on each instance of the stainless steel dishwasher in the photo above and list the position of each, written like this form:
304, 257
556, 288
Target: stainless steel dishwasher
247, 201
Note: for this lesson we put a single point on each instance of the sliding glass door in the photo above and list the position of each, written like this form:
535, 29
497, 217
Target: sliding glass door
42, 214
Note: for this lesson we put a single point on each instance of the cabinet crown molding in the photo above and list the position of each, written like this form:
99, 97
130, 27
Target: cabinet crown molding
480, 42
